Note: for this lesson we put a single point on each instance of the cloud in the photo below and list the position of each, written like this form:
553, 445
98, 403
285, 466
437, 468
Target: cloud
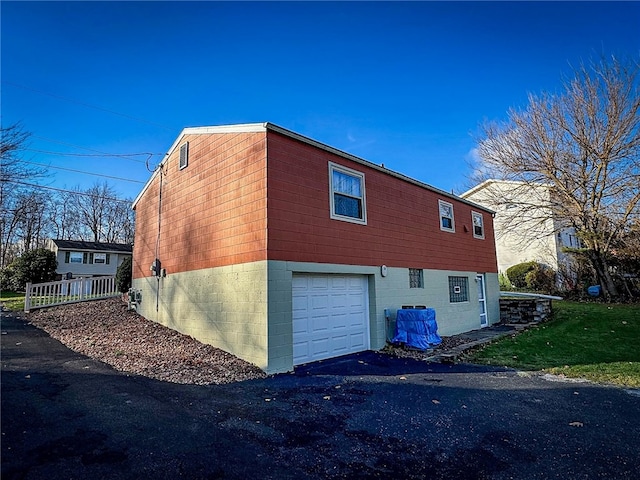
473, 157
356, 143
477, 166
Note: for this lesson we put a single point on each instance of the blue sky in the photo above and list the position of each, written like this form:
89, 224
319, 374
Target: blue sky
404, 84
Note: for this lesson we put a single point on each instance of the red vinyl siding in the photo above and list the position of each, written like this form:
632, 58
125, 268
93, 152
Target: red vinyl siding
402, 230
213, 211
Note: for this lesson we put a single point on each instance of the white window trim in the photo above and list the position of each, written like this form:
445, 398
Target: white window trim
340, 168
473, 225
453, 222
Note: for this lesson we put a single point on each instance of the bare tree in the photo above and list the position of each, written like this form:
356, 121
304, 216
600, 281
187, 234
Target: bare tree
120, 222
27, 216
583, 145
32, 222
102, 216
15, 175
63, 217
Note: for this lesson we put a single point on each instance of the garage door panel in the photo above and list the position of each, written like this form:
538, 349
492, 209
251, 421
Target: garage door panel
320, 346
300, 327
319, 301
355, 300
355, 320
319, 324
318, 283
330, 316
357, 341
340, 344
340, 323
300, 349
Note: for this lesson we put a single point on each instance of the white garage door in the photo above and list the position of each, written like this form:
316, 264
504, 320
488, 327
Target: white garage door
330, 316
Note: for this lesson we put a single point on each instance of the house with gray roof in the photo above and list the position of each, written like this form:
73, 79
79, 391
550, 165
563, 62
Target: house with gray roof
77, 258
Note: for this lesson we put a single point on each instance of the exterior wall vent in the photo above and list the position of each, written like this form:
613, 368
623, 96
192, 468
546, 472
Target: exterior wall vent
184, 155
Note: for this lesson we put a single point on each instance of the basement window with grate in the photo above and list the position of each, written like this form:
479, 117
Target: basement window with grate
458, 289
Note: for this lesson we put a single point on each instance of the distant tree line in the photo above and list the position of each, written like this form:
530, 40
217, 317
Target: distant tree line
31, 214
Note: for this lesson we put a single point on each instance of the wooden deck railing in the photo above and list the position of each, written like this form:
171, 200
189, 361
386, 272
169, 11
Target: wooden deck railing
41, 295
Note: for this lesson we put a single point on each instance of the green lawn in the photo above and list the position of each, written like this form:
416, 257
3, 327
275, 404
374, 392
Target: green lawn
12, 300
595, 341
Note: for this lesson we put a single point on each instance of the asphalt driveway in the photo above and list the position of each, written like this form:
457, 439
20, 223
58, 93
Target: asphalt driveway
362, 416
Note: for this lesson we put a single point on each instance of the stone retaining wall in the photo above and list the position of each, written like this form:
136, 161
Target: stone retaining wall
524, 310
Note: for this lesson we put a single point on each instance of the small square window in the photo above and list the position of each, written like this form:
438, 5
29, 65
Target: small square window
347, 194
416, 278
458, 289
446, 216
478, 225
184, 155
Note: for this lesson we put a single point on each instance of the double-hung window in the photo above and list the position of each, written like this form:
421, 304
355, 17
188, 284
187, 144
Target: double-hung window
478, 225
446, 216
347, 194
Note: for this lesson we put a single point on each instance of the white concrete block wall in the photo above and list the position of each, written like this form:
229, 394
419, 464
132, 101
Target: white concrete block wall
280, 330
393, 292
247, 309
225, 307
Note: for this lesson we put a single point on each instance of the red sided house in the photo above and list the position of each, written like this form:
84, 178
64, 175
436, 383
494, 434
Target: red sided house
283, 250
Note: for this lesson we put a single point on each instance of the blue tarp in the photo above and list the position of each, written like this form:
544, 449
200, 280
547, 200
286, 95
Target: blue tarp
417, 328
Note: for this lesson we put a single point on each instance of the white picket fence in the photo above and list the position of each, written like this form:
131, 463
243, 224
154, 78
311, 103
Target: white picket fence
41, 295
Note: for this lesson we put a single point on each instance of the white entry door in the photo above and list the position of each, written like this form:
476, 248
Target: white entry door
482, 300
330, 316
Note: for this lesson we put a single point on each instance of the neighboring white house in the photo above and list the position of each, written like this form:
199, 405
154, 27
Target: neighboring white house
77, 258
520, 232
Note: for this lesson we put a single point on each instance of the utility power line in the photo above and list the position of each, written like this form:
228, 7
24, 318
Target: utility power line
85, 173
84, 104
117, 155
35, 185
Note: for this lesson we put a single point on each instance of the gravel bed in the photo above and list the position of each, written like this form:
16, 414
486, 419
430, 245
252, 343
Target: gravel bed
106, 331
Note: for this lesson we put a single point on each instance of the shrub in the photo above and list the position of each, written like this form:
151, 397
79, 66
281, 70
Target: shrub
517, 273
541, 278
504, 282
35, 266
123, 275
7, 278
